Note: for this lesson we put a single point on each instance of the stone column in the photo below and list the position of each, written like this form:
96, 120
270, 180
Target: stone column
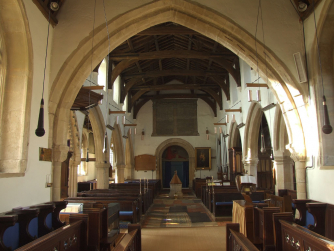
300, 179
73, 178
128, 171
300, 165
250, 166
284, 172
120, 173
102, 175
59, 155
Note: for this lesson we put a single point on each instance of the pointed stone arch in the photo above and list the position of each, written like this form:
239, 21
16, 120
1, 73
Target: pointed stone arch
176, 142
16, 77
129, 157
234, 136
117, 140
251, 133
72, 74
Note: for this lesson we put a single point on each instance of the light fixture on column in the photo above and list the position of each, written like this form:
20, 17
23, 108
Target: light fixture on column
227, 119
215, 128
105, 147
250, 97
220, 130
40, 127
327, 128
135, 131
207, 133
142, 134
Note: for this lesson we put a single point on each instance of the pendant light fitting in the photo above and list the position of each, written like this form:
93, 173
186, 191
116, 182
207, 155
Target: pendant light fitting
40, 127
327, 128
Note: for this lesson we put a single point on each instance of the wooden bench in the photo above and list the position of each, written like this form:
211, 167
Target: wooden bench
129, 207
144, 200
303, 217
70, 238
296, 237
222, 201
237, 241
284, 203
23, 225
264, 228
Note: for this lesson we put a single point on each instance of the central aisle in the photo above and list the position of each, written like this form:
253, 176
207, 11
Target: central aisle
183, 239
181, 224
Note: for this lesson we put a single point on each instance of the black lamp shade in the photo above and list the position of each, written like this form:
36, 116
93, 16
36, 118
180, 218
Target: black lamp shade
327, 128
40, 127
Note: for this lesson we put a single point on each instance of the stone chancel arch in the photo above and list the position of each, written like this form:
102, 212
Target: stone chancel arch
203, 20
209, 23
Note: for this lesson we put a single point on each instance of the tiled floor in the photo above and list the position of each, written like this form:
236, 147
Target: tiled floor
186, 212
181, 224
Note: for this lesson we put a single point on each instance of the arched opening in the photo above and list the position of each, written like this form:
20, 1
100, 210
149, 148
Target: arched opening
235, 153
175, 142
214, 26
16, 71
129, 157
284, 165
175, 158
265, 174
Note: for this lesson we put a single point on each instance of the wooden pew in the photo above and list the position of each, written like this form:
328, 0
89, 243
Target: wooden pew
113, 196
288, 216
263, 227
292, 193
125, 204
284, 203
296, 237
323, 214
304, 218
23, 225
237, 241
144, 200
132, 240
222, 201
68, 238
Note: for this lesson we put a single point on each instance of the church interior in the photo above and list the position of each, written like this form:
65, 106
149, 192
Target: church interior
182, 113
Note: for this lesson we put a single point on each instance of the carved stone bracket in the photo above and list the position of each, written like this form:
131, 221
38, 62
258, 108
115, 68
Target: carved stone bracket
60, 153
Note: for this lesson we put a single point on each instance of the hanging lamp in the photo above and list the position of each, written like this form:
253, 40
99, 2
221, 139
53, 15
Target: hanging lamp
40, 126
327, 128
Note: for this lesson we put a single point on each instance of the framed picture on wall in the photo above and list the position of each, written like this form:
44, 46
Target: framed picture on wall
203, 158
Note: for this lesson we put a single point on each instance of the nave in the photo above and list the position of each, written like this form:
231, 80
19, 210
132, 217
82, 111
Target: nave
181, 224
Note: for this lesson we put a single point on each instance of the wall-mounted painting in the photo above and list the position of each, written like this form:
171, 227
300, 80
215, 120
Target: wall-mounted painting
203, 158
45, 154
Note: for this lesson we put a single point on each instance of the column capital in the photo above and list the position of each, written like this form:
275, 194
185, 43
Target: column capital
102, 165
251, 162
59, 153
297, 156
120, 166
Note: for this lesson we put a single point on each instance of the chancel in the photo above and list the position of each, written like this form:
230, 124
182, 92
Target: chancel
140, 97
